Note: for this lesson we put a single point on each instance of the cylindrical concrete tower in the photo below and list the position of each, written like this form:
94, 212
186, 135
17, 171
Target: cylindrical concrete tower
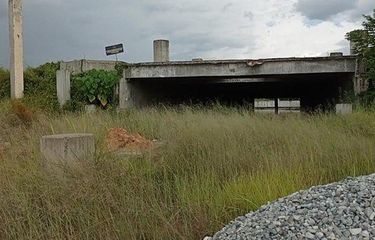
161, 51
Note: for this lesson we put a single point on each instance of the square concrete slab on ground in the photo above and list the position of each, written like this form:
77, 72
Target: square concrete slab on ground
67, 147
344, 108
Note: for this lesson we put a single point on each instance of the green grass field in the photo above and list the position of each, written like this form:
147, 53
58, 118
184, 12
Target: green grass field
216, 164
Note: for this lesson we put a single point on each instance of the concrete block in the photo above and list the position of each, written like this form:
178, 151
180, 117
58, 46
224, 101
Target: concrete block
63, 86
67, 148
344, 108
91, 108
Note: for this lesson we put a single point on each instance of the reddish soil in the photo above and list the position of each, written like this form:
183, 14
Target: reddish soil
119, 138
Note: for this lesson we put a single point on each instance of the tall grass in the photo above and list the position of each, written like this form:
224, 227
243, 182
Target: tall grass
215, 165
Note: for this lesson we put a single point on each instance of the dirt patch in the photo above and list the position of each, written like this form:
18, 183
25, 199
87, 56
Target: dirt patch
24, 115
119, 139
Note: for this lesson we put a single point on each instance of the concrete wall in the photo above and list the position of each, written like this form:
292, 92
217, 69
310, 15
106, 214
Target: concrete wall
79, 66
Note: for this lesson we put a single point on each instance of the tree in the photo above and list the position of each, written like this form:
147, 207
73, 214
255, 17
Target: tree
364, 45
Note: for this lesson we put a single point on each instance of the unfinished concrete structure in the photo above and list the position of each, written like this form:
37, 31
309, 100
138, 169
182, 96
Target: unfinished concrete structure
316, 81
16, 48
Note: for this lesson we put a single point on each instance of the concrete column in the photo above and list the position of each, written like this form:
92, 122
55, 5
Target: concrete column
63, 86
161, 51
125, 97
16, 48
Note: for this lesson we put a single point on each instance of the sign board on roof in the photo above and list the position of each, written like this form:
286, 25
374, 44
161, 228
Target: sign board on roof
114, 49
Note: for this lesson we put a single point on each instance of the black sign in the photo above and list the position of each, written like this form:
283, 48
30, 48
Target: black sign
115, 49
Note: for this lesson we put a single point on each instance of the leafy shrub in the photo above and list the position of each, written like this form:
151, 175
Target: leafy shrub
367, 98
73, 106
4, 84
40, 86
95, 86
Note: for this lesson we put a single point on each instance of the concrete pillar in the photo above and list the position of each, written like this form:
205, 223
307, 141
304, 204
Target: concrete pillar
161, 51
125, 93
125, 96
16, 48
66, 148
63, 86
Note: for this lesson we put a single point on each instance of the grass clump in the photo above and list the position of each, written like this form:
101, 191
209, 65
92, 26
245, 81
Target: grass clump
216, 165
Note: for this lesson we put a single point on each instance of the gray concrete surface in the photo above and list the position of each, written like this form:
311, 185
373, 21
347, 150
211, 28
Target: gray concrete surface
161, 51
67, 148
16, 48
80, 66
344, 108
244, 68
63, 86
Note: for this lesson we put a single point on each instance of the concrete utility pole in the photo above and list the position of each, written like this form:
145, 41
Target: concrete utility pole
16, 48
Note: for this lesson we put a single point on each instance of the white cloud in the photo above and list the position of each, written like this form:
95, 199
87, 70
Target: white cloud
72, 29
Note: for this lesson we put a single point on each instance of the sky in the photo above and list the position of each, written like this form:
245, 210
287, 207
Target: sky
57, 30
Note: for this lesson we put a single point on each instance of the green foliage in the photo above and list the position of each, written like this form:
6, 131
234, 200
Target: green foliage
367, 99
73, 106
364, 46
40, 86
4, 84
120, 67
95, 86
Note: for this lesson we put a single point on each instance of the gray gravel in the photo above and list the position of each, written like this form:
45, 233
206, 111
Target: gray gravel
344, 210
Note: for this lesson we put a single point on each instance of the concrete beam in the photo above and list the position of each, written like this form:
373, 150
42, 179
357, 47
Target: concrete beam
243, 68
80, 66
16, 48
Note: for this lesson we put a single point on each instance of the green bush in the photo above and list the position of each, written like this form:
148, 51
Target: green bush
4, 84
40, 86
95, 86
367, 99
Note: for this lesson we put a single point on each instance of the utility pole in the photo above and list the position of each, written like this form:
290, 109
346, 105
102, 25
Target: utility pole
16, 48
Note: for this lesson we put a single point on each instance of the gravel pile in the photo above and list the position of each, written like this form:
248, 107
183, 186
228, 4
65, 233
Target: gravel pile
344, 210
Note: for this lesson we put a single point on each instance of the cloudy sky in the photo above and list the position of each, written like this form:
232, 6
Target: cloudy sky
75, 29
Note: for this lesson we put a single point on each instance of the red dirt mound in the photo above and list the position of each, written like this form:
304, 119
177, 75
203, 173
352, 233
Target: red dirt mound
119, 138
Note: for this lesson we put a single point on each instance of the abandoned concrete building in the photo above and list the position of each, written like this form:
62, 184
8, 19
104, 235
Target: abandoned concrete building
314, 81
